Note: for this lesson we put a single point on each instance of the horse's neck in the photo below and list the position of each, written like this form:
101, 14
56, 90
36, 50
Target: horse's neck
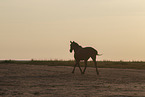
77, 49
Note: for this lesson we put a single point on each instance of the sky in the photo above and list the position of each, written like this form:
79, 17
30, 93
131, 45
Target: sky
43, 29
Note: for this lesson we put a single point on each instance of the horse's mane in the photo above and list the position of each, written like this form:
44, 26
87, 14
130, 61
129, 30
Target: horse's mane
77, 44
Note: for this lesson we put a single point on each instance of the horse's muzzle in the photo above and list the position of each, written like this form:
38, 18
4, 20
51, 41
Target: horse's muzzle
70, 51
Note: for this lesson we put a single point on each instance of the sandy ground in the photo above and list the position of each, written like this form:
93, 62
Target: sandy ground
58, 81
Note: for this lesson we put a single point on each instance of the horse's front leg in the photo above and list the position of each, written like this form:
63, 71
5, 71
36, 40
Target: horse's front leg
74, 67
85, 66
77, 63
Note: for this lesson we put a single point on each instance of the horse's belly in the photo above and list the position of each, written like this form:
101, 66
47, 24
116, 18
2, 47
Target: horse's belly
82, 56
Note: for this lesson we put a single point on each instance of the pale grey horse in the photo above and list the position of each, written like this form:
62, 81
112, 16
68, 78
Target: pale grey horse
81, 53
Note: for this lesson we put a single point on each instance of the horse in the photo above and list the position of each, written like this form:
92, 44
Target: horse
85, 53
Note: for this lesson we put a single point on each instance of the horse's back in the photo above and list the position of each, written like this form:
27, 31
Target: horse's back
90, 50
85, 53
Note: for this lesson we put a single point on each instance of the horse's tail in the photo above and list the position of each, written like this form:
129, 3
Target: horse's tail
99, 54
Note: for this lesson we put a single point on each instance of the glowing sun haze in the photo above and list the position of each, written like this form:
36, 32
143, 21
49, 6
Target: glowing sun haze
42, 29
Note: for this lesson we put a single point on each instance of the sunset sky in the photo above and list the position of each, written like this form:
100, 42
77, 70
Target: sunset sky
42, 29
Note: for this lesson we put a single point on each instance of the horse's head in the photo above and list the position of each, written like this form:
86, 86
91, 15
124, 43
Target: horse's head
73, 45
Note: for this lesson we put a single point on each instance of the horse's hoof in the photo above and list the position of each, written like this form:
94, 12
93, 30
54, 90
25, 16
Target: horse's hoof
82, 73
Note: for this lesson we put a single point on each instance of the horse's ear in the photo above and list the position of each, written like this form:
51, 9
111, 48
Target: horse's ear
70, 41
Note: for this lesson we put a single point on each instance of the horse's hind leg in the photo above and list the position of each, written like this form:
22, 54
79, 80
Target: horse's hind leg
94, 59
80, 68
96, 68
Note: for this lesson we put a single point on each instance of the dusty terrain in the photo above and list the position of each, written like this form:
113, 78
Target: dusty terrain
58, 81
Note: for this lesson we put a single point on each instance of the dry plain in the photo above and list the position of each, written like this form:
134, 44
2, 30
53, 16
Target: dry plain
23, 80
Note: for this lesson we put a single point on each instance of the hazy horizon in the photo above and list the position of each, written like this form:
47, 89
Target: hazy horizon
42, 30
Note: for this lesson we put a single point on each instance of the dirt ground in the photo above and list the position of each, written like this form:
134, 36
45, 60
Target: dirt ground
58, 81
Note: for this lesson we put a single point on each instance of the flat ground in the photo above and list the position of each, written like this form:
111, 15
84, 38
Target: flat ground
23, 80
